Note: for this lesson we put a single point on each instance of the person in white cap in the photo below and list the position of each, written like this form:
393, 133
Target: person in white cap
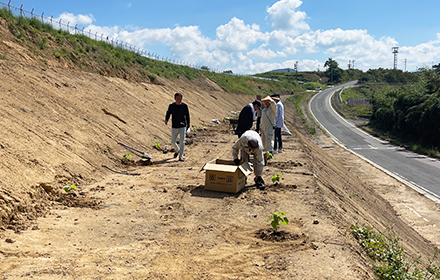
250, 144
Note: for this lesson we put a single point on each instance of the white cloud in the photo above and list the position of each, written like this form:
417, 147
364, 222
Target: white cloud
264, 54
283, 16
188, 43
279, 38
236, 36
75, 19
425, 54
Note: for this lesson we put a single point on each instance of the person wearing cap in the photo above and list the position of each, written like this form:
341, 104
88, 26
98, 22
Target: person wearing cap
250, 144
180, 122
247, 117
279, 123
268, 117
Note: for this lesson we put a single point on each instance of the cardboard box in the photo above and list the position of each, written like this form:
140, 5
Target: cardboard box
225, 176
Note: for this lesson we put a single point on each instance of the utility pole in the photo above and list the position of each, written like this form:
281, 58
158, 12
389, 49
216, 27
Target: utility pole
405, 64
296, 69
351, 64
395, 52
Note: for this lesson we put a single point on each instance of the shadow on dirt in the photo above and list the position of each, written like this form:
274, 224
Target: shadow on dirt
200, 191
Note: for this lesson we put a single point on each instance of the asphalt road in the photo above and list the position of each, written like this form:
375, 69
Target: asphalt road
417, 171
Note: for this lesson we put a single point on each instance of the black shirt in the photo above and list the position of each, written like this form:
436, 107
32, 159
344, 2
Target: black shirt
245, 120
180, 115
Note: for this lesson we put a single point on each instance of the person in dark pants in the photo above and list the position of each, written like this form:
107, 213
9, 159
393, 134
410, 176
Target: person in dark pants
279, 124
258, 113
180, 122
247, 117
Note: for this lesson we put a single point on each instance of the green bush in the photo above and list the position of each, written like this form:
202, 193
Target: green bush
390, 259
43, 43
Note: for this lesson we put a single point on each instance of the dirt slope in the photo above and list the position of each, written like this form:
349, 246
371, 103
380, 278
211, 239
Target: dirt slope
60, 125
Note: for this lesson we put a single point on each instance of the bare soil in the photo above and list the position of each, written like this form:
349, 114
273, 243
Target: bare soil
153, 219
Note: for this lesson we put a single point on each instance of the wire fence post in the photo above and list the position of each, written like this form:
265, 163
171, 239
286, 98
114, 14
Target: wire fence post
42, 19
21, 10
9, 5
32, 12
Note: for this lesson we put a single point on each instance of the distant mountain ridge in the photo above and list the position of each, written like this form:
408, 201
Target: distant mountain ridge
287, 70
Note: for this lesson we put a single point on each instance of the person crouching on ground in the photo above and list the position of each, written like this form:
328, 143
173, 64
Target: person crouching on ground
268, 118
250, 144
180, 122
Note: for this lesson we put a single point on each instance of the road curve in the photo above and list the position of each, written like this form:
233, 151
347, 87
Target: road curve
417, 171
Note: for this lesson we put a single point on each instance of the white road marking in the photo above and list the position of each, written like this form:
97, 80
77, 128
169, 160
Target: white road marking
415, 212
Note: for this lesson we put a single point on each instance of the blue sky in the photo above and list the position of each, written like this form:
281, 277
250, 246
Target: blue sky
256, 36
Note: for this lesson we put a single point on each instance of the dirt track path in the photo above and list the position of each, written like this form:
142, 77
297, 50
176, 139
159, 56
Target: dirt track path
162, 224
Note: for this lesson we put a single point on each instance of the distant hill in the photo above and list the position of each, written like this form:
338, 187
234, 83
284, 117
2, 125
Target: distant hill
286, 70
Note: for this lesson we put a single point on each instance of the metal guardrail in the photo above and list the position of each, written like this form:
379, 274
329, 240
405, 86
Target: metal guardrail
364, 102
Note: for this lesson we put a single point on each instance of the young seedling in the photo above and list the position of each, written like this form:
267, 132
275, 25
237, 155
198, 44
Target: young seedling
69, 187
127, 157
157, 145
277, 220
269, 155
276, 178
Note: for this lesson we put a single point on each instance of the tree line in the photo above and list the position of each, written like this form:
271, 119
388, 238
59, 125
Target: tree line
411, 111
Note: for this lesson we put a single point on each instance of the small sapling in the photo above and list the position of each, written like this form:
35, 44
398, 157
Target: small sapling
277, 220
67, 188
157, 145
276, 178
269, 155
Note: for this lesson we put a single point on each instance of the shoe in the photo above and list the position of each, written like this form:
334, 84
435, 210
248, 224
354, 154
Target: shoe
176, 154
259, 181
275, 152
181, 159
280, 151
261, 187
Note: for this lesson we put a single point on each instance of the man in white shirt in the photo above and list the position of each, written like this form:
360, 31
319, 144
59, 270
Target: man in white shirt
279, 123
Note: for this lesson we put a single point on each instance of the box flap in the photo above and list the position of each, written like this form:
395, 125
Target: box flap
246, 168
228, 166
209, 162
220, 167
